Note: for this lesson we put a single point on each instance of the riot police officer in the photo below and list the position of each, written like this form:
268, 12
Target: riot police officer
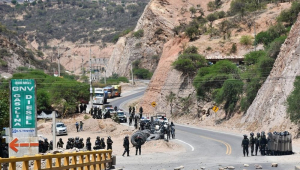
46, 145
97, 143
81, 144
126, 145
77, 144
102, 143
252, 142
245, 145
109, 143
69, 144
60, 143
41, 146
138, 146
263, 143
51, 145
257, 142
88, 144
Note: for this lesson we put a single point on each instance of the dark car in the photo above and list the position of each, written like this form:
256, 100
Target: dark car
122, 117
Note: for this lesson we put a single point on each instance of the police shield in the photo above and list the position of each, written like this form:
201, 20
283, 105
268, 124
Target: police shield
270, 143
276, 138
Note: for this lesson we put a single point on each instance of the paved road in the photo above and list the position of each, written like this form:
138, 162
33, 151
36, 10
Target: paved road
204, 148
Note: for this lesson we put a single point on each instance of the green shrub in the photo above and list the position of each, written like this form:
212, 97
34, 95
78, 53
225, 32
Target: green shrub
246, 40
188, 64
293, 107
274, 47
233, 49
3, 63
253, 57
136, 63
191, 50
138, 34
86, 117
142, 73
192, 32
290, 15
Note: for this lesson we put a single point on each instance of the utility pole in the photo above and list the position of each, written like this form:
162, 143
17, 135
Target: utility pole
58, 57
132, 75
54, 129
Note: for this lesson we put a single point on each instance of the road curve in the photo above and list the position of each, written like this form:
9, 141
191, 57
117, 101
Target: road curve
204, 148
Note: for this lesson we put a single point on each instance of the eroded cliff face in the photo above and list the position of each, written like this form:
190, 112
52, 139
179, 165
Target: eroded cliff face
157, 22
268, 111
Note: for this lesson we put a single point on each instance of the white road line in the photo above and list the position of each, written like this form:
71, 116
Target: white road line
186, 144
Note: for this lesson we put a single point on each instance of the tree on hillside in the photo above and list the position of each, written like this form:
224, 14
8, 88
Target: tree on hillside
4, 108
171, 97
14, 2
293, 107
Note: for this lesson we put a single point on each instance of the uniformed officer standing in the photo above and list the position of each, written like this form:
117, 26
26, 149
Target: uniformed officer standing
138, 146
109, 143
141, 112
263, 143
102, 143
257, 141
252, 143
60, 143
46, 145
126, 145
88, 144
51, 145
245, 145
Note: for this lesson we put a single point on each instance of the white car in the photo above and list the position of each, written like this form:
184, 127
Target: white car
61, 129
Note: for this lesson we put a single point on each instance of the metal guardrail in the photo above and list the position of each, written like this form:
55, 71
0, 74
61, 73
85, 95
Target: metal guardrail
94, 160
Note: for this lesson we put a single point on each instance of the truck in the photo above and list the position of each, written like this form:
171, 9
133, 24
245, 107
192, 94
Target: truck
117, 90
110, 91
100, 96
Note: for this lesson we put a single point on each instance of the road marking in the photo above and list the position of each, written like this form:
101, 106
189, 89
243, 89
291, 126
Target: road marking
186, 144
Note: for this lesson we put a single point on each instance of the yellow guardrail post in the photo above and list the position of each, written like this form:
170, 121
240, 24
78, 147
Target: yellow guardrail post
25, 164
66, 162
37, 163
98, 159
74, 160
49, 161
87, 160
58, 161
92, 166
12, 165
103, 159
80, 161
109, 158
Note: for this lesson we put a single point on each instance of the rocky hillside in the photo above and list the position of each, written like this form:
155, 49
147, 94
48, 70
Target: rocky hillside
269, 109
70, 23
13, 53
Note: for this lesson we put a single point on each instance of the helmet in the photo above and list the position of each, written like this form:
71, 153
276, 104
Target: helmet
263, 133
102, 138
275, 133
258, 134
245, 135
98, 137
51, 141
46, 139
126, 136
88, 138
81, 139
77, 138
252, 134
60, 138
109, 137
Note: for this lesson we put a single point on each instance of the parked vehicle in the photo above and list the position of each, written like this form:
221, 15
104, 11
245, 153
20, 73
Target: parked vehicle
122, 116
110, 91
61, 129
100, 96
117, 90
110, 109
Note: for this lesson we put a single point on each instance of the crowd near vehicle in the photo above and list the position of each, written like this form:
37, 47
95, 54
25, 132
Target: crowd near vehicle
100, 96
61, 129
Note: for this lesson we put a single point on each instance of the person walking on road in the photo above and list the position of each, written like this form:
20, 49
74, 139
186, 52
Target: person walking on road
129, 109
135, 122
126, 145
133, 110
252, 143
245, 145
109, 143
130, 119
81, 124
77, 126
141, 112
138, 146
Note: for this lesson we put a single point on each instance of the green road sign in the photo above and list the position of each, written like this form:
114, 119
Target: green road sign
23, 111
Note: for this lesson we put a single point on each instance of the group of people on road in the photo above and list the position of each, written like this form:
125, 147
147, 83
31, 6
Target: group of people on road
138, 145
275, 144
134, 117
76, 142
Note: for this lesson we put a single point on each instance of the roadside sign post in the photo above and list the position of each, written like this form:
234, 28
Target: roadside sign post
23, 135
215, 109
153, 104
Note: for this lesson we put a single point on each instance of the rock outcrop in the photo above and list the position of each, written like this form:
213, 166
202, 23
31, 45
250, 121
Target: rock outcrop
268, 111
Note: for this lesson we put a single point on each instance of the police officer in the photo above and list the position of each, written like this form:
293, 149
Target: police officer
109, 143
129, 109
41, 146
133, 110
135, 121
257, 141
97, 143
69, 144
77, 144
245, 145
263, 143
46, 145
168, 132
60, 143
126, 145
88, 144
116, 108
141, 112
81, 144
138, 146
99, 113
51, 145
252, 143
102, 143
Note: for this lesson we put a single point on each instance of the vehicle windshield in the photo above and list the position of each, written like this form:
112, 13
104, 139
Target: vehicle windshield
111, 110
60, 125
99, 94
120, 113
115, 89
